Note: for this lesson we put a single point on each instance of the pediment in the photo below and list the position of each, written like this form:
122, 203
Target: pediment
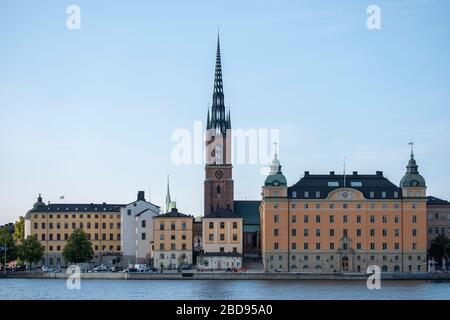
346, 194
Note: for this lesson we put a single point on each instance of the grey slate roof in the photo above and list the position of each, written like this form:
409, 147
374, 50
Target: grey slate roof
433, 201
313, 183
172, 214
223, 213
78, 207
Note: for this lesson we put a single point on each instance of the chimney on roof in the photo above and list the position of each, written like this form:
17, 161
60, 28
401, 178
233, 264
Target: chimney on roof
355, 173
141, 196
380, 174
104, 203
331, 173
306, 173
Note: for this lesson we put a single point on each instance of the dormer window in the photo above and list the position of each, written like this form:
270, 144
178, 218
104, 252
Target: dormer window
317, 194
383, 194
372, 194
333, 183
356, 184
294, 194
395, 194
306, 194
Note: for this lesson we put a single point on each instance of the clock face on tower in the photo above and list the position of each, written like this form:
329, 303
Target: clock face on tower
219, 174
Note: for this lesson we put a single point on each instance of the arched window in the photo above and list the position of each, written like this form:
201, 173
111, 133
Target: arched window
172, 256
396, 269
384, 269
218, 189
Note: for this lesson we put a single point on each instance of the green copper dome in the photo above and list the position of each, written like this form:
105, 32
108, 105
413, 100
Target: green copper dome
275, 177
412, 177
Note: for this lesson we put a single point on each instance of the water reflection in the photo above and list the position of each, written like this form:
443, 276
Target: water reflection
222, 289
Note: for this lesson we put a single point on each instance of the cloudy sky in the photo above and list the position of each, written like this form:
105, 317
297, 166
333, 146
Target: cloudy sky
89, 113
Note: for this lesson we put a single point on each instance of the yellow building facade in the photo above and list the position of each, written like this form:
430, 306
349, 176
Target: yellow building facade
173, 240
52, 224
222, 241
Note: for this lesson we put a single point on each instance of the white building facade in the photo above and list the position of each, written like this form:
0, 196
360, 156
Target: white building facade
137, 230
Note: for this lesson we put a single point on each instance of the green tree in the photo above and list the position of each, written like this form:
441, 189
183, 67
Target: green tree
78, 248
30, 250
6, 239
440, 248
19, 230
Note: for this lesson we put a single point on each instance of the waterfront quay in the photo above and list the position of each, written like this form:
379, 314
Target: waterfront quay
422, 276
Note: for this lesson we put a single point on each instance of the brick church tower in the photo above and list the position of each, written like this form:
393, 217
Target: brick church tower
219, 186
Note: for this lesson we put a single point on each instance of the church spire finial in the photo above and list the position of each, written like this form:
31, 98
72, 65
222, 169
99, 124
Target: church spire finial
168, 200
412, 148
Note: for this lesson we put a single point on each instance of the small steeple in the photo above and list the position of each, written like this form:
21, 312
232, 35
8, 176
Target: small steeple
412, 166
412, 177
275, 177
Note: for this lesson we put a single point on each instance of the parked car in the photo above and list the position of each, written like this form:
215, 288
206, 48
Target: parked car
20, 268
186, 266
115, 269
100, 269
57, 269
278, 270
47, 269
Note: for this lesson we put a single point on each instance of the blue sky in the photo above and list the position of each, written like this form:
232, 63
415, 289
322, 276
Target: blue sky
89, 113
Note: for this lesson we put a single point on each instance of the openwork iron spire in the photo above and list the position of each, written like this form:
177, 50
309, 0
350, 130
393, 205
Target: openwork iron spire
218, 119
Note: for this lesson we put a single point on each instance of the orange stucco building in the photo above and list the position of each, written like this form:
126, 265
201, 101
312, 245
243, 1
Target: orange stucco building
344, 223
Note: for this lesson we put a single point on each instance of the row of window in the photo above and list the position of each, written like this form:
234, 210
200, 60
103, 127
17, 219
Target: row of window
436, 230
172, 226
345, 206
438, 215
222, 225
222, 237
172, 237
331, 219
96, 248
173, 246
384, 268
171, 256
384, 232
95, 236
344, 246
331, 258
81, 225
74, 216
384, 194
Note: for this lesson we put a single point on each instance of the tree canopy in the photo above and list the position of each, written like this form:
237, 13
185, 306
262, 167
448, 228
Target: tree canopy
31, 250
19, 230
440, 248
6, 238
78, 248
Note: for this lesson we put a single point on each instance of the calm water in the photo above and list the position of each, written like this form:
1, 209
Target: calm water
220, 290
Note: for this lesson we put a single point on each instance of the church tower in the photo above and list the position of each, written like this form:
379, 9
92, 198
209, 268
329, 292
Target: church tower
219, 186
